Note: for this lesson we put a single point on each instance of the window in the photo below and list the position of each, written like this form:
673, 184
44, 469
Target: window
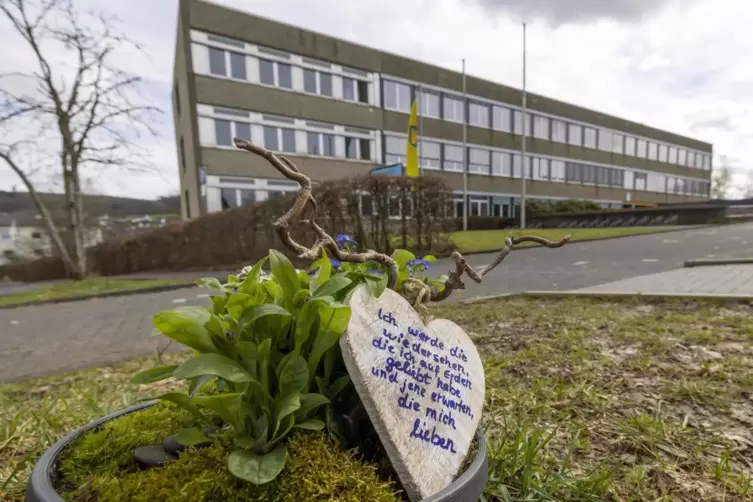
540, 168
691, 158
238, 66
641, 148
682, 156
672, 155
574, 134
540, 127
630, 146
589, 137
394, 149
559, 131
279, 139
357, 148
652, 154
243, 130
429, 104
222, 133
706, 163
355, 90
501, 118
501, 164
228, 198
317, 82
397, 96
182, 154
431, 154
517, 122
618, 143
318, 143
478, 161
699, 161
274, 73
247, 196
662, 153
453, 158
516, 165
217, 65
573, 172
478, 114
176, 98
452, 109
605, 140
557, 170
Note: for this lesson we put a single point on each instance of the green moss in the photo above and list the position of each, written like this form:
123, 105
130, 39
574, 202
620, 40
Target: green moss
100, 467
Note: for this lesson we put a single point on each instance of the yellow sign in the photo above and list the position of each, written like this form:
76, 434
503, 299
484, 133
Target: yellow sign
411, 155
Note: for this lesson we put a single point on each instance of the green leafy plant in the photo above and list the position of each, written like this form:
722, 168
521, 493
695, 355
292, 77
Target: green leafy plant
265, 358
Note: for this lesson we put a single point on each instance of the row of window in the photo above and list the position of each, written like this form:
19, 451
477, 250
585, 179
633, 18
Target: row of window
286, 135
449, 157
450, 107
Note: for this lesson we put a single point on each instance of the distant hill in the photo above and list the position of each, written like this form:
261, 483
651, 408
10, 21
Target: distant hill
94, 205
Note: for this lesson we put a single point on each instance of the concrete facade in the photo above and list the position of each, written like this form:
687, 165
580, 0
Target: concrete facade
220, 69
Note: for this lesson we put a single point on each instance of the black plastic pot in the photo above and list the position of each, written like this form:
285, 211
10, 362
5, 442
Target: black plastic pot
467, 488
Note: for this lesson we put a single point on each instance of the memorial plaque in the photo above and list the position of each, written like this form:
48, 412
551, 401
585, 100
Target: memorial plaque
422, 386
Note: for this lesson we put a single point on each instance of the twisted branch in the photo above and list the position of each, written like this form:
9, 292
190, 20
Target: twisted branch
306, 199
455, 279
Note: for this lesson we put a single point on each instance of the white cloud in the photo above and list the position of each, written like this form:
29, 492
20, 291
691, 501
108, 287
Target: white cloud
674, 65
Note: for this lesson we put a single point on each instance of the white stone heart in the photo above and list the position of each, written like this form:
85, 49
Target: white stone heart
422, 386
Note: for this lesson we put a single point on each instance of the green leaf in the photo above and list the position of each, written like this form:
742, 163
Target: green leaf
254, 468
261, 430
300, 297
325, 270
153, 374
184, 402
199, 382
303, 279
186, 325
213, 364
294, 376
284, 407
305, 323
309, 402
191, 437
402, 257
332, 286
218, 304
237, 303
284, 273
256, 312
376, 284
211, 283
250, 284
430, 258
226, 406
334, 320
311, 425
338, 386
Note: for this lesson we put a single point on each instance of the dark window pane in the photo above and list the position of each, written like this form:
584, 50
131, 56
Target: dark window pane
288, 140
312, 143
351, 148
363, 91
390, 94
365, 149
222, 132
309, 81
243, 130
349, 89
325, 83
266, 72
328, 145
237, 65
270, 138
283, 75
228, 198
217, 62
248, 197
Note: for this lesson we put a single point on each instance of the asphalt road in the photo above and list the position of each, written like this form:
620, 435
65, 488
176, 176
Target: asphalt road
50, 339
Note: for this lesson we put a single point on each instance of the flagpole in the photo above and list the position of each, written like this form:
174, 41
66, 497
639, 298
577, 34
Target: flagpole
523, 141
420, 134
465, 155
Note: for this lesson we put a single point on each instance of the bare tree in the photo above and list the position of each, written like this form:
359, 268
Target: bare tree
90, 109
720, 183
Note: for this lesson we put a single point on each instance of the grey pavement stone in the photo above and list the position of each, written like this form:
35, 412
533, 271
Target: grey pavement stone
55, 338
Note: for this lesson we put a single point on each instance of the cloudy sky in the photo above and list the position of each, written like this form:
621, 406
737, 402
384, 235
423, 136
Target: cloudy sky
680, 65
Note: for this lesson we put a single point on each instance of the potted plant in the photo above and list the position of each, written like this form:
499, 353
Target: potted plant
269, 411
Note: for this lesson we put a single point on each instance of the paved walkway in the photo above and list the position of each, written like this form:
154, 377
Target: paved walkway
61, 337
733, 280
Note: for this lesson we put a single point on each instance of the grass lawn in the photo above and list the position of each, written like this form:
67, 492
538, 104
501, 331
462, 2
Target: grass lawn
475, 241
92, 286
587, 400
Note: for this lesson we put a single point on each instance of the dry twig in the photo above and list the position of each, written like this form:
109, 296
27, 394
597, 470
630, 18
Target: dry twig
324, 241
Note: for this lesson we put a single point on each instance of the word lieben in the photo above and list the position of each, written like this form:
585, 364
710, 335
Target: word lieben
431, 436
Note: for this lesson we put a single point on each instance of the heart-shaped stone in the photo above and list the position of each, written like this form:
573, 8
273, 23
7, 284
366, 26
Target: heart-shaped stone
422, 387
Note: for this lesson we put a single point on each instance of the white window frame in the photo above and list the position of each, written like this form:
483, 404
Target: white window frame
456, 102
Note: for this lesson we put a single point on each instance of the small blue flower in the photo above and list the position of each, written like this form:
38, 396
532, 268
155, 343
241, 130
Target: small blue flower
374, 271
336, 263
420, 262
344, 240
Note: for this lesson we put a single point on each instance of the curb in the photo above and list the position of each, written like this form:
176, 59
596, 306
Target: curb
706, 262
128, 292
623, 294
595, 239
